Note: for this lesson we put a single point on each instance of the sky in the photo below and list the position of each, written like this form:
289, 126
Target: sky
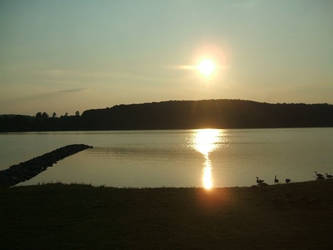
66, 55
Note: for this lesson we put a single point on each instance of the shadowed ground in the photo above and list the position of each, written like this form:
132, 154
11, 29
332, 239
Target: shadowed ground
56, 216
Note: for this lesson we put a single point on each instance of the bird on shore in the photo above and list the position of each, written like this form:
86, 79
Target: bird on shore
276, 180
288, 180
329, 176
319, 176
259, 181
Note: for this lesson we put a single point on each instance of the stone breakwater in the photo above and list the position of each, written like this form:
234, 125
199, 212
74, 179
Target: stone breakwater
28, 169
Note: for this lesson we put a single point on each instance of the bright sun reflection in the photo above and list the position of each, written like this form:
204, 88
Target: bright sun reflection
205, 141
207, 179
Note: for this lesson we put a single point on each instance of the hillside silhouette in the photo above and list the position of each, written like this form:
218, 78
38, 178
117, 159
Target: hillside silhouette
221, 113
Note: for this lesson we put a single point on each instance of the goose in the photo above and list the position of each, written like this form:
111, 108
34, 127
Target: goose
288, 180
329, 176
259, 181
276, 180
319, 176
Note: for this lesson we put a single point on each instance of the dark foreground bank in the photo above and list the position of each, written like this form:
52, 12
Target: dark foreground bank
56, 216
28, 169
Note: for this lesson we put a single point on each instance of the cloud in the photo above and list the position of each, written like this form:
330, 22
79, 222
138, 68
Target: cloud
88, 77
70, 90
50, 94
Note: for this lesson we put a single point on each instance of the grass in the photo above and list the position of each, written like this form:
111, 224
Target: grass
57, 216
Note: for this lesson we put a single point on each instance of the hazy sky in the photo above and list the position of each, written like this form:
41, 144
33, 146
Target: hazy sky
67, 55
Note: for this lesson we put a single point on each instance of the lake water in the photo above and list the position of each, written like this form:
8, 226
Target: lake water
177, 158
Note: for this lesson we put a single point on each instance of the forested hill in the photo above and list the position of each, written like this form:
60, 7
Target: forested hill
181, 115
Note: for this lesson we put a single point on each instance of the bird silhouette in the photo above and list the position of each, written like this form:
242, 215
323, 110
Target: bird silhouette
259, 181
319, 176
329, 176
276, 180
288, 180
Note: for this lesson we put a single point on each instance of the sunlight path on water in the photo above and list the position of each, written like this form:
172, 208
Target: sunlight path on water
205, 141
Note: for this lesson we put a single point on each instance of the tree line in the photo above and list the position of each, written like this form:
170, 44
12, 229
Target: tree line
223, 113
44, 115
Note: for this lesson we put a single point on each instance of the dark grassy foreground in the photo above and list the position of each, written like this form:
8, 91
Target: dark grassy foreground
56, 216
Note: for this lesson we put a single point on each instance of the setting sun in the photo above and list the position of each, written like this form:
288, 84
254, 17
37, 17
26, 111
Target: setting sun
206, 67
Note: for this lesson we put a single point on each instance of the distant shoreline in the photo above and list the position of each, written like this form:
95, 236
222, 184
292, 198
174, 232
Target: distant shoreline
223, 113
157, 129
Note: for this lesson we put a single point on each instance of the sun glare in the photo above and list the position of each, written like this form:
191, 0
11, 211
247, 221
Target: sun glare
205, 141
206, 67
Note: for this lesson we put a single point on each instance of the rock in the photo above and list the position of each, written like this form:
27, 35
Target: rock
28, 169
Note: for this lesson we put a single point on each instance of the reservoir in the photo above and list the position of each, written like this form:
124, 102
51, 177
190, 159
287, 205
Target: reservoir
177, 158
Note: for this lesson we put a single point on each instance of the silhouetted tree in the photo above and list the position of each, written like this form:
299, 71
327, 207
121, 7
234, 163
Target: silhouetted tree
77, 113
54, 115
66, 114
45, 115
39, 115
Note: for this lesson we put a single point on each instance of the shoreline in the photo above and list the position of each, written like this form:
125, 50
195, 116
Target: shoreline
92, 186
157, 129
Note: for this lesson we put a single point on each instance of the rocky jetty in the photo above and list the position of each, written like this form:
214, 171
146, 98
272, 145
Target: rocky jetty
28, 169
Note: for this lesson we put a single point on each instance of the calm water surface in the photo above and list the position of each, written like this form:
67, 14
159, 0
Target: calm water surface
177, 158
